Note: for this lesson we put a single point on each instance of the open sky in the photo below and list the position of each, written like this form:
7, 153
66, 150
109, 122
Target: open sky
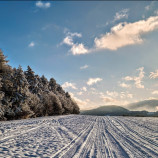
103, 53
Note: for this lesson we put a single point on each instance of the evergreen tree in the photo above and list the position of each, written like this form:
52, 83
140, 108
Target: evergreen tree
21, 95
32, 80
44, 84
53, 85
3, 63
24, 94
1, 97
52, 105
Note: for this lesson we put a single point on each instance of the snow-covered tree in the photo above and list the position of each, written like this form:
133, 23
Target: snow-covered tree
3, 63
24, 94
32, 80
21, 95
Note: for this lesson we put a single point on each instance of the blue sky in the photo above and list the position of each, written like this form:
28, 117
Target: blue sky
103, 53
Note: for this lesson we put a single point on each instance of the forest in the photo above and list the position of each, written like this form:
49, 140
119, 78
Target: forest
24, 94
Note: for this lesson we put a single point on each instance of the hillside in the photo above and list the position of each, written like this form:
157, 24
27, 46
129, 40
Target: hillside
24, 94
113, 110
106, 110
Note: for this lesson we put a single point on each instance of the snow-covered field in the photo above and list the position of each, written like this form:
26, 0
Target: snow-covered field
80, 136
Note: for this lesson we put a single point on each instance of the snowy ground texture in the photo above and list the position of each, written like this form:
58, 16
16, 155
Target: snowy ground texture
80, 136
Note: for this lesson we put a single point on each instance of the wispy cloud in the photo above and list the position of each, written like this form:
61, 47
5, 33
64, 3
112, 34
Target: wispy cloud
108, 99
137, 79
43, 5
124, 85
81, 103
92, 81
150, 6
124, 34
123, 14
69, 85
155, 92
154, 75
32, 44
84, 89
124, 95
79, 93
112, 94
84, 67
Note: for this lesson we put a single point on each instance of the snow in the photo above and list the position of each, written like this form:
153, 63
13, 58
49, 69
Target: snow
80, 136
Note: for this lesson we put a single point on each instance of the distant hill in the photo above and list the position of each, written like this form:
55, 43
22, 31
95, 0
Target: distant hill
113, 110
106, 110
149, 105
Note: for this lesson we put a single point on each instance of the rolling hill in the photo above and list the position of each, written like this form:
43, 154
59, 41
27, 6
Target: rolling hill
113, 110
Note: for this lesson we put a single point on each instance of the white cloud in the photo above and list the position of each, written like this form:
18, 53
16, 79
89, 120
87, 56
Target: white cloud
80, 102
130, 95
155, 92
128, 78
124, 95
84, 67
84, 89
137, 79
92, 81
32, 44
121, 35
154, 75
78, 49
80, 93
74, 34
43, 5
93, 89
112, 94
124, 34
69, 85
124, 85
121, 14
108, 99
68, 40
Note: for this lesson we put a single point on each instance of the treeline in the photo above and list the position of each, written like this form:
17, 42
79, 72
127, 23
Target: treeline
26, 95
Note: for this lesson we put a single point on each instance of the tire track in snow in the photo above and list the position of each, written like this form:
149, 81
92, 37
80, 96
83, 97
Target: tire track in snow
130, 142
70, 149
136, 136
80, 137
